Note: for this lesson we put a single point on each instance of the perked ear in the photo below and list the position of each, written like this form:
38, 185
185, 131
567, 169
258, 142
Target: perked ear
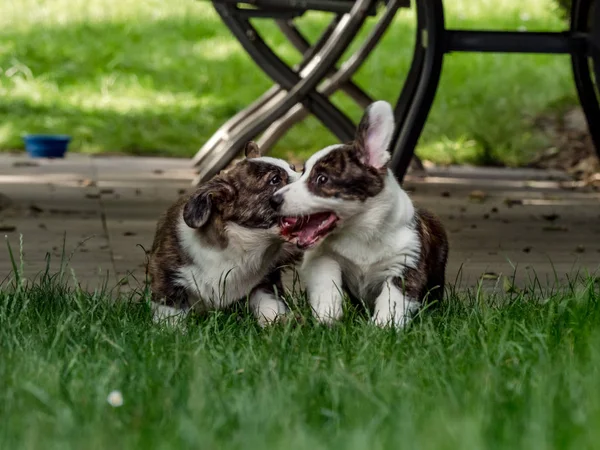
374, 134
251, 150
209, 196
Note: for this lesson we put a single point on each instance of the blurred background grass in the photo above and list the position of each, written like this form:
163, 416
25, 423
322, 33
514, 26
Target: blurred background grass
152, 77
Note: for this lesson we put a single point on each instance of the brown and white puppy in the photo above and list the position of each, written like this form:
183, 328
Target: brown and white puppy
222, 243
361, 230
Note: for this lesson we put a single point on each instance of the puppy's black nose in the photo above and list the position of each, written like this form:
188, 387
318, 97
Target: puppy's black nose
276, 201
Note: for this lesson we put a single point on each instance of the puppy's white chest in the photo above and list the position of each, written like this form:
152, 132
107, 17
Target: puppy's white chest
367, 264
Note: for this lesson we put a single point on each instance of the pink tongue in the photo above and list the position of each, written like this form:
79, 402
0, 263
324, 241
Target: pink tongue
308, 234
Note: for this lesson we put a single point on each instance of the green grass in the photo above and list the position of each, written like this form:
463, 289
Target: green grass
472, 375
156, 77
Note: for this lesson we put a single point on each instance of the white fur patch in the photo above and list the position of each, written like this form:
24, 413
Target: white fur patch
279, 163
323, 277
266, 307
392, 307
219, 277
380, 118
167, 315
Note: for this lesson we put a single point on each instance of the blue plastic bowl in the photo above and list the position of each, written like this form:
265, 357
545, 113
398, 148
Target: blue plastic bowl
46, 145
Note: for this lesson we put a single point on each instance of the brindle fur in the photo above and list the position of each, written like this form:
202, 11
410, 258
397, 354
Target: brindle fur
426, 281
240, 195
348, 177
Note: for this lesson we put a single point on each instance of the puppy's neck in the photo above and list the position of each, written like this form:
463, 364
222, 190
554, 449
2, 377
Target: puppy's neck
391, 209
238, 246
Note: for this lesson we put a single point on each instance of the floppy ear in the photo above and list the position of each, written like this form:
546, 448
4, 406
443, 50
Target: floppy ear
201, 204
251, 150
374, 134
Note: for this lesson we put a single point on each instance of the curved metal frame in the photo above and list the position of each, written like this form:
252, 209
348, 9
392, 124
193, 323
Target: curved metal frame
296, 94
300, 87
248, 114
419, 91
580, 61
340, 80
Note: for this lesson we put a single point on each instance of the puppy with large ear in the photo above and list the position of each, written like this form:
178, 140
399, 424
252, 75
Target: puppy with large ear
374, 135
361, 230
222, 243
209, 197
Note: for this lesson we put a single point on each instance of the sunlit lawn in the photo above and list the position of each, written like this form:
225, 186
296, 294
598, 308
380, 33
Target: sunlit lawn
155, 77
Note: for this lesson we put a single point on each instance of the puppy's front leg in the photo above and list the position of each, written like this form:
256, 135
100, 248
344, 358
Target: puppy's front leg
265, 305
392, 307
323, 278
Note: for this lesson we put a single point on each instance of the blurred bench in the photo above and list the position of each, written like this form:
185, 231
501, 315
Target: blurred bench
305, 89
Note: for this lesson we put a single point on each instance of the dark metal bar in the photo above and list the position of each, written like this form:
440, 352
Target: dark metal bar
300, 87
335, 6
301, 43
580, 13
255, 110
340, 80
270, 13
403, 147
509, 41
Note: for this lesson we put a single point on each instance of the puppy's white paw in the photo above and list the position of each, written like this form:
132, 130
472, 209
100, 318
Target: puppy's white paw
392, 308
328, 312
167, 315
267, 308
271, 313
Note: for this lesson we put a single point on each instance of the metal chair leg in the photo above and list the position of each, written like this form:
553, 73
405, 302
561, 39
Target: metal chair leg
340, 80
294, 35
301, 87
588, 97
254, 110
430, 14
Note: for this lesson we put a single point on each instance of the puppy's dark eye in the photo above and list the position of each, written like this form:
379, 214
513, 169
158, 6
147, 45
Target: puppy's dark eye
322, 179
275, 179
293, 167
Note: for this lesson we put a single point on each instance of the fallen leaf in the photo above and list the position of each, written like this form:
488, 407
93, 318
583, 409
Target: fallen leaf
510, 202
477, 196
580, 249
550, 217
107, 191
158, 171
35, 209
445, 194
527, 249
42, 226
181, 191
87, 182
92, 196
555, 228
509, 286
486, 216
494, 210
7, 228
490, 276
129, 233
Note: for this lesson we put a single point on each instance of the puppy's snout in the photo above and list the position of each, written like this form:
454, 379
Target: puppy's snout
276, 200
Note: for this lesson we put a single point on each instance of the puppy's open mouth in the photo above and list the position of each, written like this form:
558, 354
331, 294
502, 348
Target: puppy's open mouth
307, 230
